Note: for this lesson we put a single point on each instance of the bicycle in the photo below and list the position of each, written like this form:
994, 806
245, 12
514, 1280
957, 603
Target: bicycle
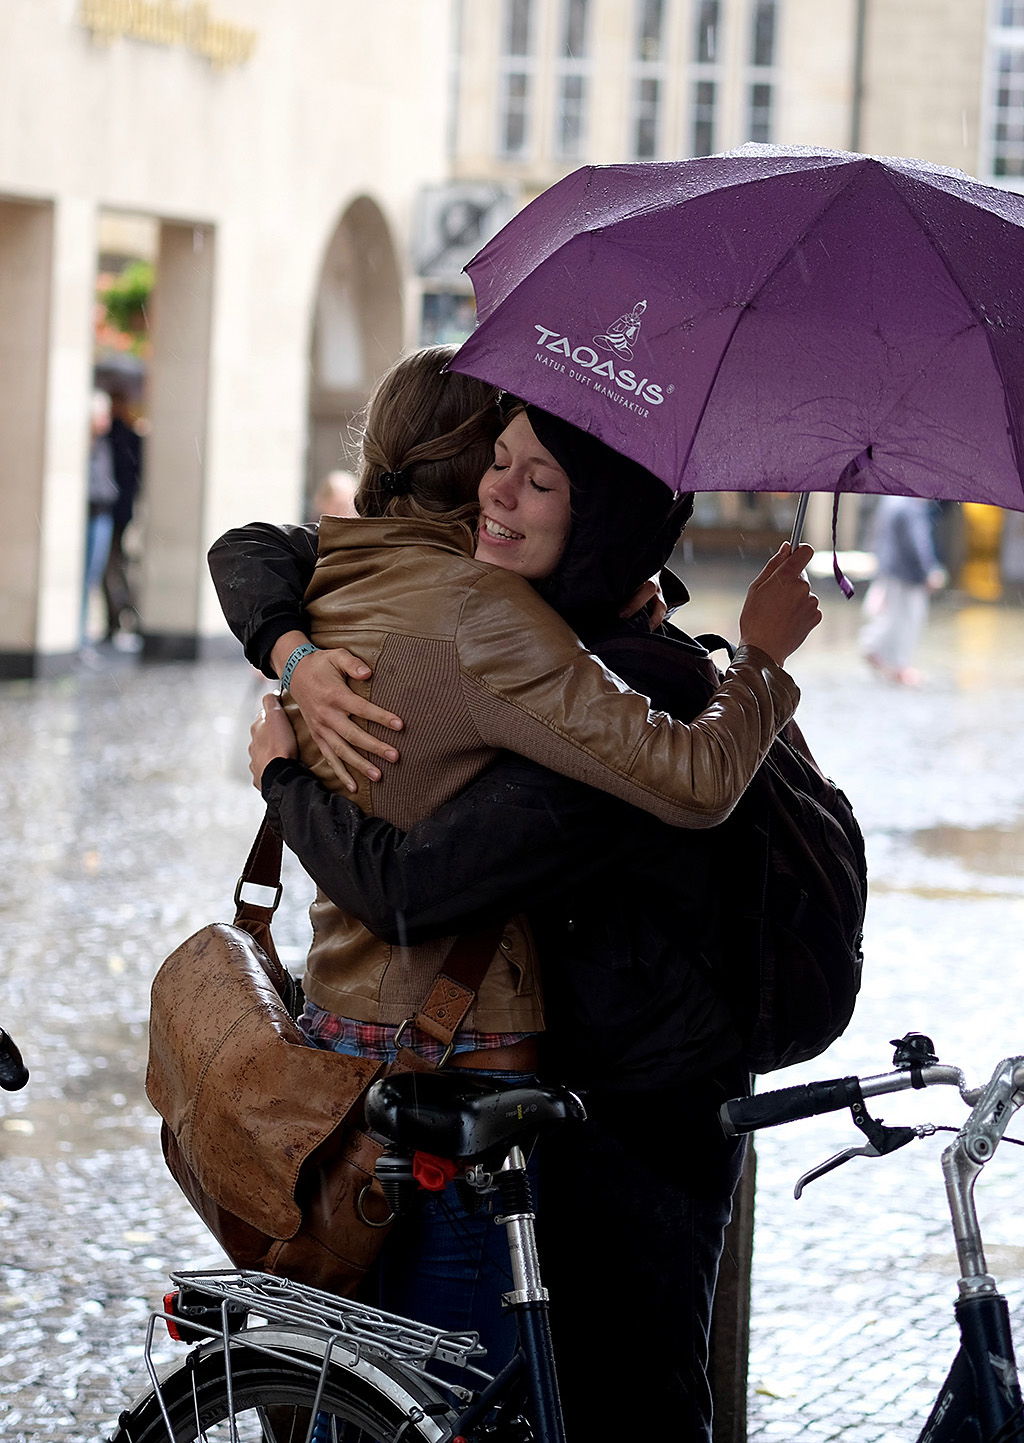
980, 1399
280, 1362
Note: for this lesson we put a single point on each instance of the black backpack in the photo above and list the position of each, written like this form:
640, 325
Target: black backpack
795, 896
791, 878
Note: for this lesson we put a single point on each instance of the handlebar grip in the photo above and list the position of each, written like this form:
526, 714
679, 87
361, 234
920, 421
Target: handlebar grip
13, 1072
789, 1104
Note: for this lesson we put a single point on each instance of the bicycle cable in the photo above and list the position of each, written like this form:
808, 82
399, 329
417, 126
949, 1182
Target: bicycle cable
943, 1127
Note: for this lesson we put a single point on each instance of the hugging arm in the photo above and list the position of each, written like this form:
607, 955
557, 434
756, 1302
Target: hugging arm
261, 573
514, 838
517, 838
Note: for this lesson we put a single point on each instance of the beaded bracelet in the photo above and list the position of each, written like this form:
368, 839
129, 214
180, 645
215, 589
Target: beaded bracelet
306, 649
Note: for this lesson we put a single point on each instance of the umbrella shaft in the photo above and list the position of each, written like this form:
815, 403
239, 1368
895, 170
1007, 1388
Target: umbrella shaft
798, 520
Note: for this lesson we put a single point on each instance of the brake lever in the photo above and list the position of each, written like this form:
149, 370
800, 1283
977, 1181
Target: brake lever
837, 1160
883, 1141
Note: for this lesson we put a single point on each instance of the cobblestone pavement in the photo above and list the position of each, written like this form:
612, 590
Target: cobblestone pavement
127, 814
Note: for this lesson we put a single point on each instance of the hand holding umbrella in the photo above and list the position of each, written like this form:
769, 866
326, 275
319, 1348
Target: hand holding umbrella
780, 610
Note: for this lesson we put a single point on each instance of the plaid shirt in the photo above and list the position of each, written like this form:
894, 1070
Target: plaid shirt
377, 1040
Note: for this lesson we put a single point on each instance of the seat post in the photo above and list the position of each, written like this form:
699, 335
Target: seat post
529, 1298
517, 1216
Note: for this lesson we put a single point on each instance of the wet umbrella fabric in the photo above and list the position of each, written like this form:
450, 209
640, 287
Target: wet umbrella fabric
772, 319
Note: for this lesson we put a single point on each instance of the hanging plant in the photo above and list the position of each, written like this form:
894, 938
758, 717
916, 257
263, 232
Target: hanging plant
124, 300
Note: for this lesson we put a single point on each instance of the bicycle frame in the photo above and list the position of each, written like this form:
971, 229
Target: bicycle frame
981, 1397
982, 1382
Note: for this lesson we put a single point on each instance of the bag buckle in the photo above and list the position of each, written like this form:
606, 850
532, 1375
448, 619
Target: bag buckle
255, 901
408, 1023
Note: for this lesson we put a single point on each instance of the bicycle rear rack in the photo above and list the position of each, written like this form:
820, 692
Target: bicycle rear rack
339, 1323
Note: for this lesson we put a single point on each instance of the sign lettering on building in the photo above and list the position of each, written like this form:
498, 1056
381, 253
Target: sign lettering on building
166, 22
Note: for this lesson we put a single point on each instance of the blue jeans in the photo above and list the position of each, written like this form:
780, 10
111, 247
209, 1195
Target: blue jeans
98, 534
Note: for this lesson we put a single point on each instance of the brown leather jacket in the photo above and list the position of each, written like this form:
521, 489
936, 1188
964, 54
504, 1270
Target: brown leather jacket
474, 661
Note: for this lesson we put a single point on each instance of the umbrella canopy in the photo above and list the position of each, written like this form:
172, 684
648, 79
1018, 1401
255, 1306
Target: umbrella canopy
772, 319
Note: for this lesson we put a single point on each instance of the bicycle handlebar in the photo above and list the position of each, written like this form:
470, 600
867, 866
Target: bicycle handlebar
13, 1072
790, 1104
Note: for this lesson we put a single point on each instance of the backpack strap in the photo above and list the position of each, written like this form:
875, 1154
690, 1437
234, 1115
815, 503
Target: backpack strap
711, 641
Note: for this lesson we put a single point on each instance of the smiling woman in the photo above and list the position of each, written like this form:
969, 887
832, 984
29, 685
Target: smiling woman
525, 509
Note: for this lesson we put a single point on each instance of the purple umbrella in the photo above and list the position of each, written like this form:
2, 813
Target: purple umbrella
773, 319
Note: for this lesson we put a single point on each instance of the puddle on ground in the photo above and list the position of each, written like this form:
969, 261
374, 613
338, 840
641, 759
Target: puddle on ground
1002, 1261
996, 851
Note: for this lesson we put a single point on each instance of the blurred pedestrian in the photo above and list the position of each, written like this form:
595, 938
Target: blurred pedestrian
102, 497
335, 496
126, 452
896, 605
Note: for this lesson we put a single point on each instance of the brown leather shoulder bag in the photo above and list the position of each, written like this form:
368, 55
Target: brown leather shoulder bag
263, 1133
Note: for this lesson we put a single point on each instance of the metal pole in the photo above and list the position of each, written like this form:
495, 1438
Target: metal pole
798, 520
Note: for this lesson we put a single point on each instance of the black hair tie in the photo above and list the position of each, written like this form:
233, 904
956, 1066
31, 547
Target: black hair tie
395, 483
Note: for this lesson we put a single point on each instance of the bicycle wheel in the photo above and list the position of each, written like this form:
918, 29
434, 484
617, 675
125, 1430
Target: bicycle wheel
375, 1402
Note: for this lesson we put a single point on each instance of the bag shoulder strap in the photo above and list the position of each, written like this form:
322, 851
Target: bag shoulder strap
453, 991
263, 870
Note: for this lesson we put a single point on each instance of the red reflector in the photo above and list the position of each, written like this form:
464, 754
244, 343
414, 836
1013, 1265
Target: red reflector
169, 1301
433, 1173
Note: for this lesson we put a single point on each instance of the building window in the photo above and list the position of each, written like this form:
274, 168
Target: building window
705, 73
515, 113
703, 118
646, 107
572, 98
1008, 120
516, 80
648, 76
762, 47
518, 15
574, 29
571, 80
1005, 111
648, 39
707, 32
759, 122
761, 75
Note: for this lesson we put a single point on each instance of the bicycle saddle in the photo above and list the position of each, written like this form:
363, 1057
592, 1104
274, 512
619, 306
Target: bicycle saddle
455, 1115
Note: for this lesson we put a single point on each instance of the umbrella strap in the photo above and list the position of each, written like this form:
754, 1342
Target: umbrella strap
842, 581
849, 473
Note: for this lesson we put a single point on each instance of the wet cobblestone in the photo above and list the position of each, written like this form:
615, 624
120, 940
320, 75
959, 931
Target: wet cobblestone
127, 815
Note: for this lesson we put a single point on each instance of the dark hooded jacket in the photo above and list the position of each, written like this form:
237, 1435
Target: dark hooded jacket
625, 525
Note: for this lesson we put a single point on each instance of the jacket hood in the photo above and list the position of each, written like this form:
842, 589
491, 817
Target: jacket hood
625, 525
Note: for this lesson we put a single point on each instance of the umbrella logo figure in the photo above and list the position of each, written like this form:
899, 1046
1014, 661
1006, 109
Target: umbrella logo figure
621, 336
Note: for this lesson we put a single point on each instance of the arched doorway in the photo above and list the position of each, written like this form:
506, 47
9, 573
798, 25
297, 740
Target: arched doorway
357, 333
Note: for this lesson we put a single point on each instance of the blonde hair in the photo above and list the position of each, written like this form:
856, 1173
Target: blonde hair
437, 428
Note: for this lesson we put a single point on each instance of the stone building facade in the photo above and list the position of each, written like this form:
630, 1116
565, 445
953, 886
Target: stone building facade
275, 151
